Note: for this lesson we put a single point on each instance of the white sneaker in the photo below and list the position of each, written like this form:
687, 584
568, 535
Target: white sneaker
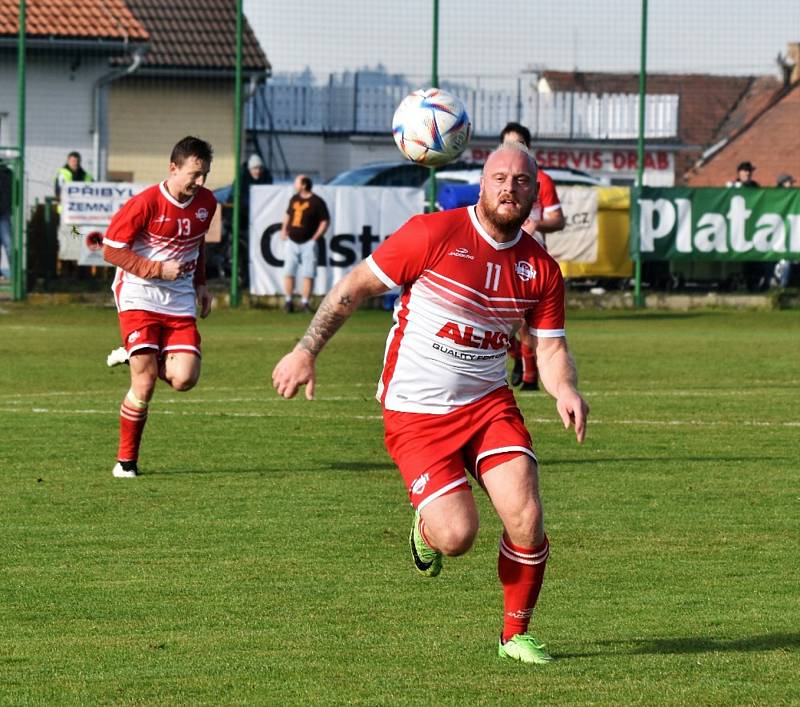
121, 473
117, 357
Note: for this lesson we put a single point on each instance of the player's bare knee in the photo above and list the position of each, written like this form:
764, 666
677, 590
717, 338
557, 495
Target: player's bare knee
183, 383
526, 526
457, 538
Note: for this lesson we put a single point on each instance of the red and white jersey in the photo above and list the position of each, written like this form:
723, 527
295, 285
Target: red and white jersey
547, 199
463, 294
156, 226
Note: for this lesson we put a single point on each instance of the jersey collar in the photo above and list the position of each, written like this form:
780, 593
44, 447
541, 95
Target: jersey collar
171, 199
483, 234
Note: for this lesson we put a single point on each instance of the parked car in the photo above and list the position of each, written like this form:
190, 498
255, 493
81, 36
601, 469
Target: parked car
395, 174
409, 174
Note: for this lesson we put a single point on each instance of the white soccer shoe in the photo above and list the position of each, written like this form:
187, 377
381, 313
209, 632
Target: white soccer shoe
121, 473
117, 357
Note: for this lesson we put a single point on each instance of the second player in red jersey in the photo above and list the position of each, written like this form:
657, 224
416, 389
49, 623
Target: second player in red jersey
157, 242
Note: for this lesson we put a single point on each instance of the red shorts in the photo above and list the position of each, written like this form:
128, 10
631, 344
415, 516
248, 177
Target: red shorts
433, 451
161, 332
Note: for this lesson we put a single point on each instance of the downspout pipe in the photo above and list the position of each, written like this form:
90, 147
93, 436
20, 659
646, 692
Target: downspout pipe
95, 130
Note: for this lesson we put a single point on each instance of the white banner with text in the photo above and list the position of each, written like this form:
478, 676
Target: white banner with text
361, 218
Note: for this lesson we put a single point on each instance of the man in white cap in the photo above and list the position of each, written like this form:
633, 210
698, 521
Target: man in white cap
254, 172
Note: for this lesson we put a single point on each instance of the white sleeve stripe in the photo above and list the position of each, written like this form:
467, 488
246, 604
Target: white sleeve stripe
547, 333
114, 244
382, 276
554, 207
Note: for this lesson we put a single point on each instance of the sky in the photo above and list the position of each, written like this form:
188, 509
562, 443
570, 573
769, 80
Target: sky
503, 39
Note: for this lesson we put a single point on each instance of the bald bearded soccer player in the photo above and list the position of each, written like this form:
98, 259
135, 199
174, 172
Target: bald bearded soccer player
468, 277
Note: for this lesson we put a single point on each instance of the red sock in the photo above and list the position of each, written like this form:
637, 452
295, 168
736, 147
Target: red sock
529, 372
521, 571
514, 347
132, 418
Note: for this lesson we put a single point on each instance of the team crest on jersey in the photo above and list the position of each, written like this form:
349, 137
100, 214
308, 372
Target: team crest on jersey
420, 483
202, 214
462, 253
133, 336
524, 271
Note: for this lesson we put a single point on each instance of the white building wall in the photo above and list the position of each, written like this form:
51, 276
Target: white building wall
58, 114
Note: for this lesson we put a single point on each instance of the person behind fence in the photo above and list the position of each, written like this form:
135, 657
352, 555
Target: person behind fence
6, 185
72, 171
744, 176
756, 274
783, 268
546, 217
253, 173
304, 223
468, 277
157, 242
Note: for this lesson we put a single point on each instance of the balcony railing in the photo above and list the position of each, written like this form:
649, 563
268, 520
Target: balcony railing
356, 104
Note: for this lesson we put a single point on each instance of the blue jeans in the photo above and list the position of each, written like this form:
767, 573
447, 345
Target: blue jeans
5, 242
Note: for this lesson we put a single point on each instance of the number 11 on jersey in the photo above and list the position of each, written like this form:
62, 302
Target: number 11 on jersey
492, 276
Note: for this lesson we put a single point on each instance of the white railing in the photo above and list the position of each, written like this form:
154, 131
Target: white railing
347, 105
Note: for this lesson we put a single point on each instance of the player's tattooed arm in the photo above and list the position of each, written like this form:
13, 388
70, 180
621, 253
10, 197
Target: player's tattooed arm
338, 305
332, 313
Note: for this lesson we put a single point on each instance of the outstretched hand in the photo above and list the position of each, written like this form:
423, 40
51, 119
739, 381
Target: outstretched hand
293, 370
573, 410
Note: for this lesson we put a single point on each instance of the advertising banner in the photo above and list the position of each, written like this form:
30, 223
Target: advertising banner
744, 224
577, 241
86, 211
361, 218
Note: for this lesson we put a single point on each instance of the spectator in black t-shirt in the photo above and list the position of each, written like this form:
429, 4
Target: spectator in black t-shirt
304, 223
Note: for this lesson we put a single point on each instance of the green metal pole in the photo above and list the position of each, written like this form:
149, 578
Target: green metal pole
434, 84
237, 146
18, 251
637, 292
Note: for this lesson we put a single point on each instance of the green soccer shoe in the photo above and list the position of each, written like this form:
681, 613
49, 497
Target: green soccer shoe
524, 648
427, 561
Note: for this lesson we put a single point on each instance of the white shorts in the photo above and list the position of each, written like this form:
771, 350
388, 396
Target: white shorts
300, 256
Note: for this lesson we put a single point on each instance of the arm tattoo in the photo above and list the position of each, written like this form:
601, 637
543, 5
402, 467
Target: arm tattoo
326, 322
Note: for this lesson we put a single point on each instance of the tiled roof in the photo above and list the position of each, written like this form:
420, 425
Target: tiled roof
195, 34
761, 92
771, 141
72, 19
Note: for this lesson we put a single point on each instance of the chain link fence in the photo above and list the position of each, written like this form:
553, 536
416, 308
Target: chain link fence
120, 81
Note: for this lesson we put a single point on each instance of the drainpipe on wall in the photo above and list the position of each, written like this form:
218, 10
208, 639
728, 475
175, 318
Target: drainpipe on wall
95, 129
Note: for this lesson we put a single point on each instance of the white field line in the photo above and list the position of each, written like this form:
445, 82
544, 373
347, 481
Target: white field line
773, 389
309, 413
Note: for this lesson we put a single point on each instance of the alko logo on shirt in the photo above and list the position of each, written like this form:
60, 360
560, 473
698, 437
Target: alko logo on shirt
490, 340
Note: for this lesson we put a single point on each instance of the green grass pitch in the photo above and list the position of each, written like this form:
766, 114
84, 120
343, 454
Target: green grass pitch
262, 557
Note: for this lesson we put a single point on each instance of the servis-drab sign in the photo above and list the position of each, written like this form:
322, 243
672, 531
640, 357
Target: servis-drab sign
715, 224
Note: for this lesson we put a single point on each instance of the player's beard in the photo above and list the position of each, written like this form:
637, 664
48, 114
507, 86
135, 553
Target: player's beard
507, 222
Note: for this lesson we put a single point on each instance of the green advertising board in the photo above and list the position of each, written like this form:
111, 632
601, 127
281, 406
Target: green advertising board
743, 224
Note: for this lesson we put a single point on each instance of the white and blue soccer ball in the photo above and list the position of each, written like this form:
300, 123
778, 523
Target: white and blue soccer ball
431, 127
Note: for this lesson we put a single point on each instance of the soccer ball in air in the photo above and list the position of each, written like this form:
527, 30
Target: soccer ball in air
431, 127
